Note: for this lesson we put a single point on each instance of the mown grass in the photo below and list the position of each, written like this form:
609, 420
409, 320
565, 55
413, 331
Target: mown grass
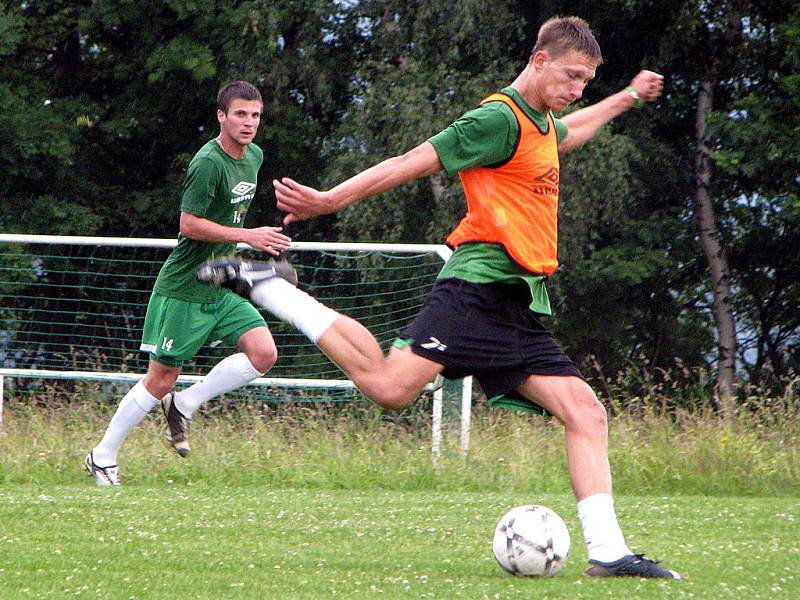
217, 541
345, 502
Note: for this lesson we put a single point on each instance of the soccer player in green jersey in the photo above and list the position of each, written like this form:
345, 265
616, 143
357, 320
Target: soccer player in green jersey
183, 315
481, 316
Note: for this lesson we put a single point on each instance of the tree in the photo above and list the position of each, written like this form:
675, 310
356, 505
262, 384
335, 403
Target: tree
423, 64
716, 68
760, 157
106, 101
728, 62
39, 103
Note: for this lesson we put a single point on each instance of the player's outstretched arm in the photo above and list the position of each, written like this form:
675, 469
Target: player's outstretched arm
269, 239
584, 123
303, 202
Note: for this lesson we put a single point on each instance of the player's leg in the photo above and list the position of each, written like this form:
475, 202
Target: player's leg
174, 330
572, 401
391, 381
101, 462
237, 322
258, 354
164, 317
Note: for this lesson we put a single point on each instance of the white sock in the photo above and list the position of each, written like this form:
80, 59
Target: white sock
604, 539
228, 374
294, 306
131, 410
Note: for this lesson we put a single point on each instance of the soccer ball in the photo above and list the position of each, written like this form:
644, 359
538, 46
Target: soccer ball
531, 540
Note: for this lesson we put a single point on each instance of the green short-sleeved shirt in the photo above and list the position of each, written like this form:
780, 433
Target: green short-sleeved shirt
485, 136
219, 188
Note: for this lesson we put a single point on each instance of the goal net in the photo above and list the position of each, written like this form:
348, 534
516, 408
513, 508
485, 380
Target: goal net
73, 308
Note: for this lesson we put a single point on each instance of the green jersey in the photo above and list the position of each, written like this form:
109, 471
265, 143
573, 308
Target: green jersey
219, 188
487, 136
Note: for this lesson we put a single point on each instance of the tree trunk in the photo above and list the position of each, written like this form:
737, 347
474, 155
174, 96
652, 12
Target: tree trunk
714, 252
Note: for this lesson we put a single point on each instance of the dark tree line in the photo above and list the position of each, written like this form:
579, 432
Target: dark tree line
679, 223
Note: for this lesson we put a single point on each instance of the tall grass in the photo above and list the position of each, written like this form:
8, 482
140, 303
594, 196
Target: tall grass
655, 448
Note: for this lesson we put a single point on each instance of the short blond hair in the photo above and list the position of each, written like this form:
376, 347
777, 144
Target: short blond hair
562, 34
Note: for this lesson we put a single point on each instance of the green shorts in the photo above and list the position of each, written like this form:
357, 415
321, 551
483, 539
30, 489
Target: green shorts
175, 330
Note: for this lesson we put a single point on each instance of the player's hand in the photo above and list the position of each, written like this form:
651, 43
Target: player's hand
648, 85
299, 201
268, 239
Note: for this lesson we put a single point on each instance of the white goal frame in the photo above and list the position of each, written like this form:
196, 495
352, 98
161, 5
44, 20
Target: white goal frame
436, 387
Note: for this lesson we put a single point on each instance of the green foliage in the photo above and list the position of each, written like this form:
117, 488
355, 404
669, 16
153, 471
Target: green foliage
425, 64
181, 54
617, 269
103, 103
758, 164
11, 31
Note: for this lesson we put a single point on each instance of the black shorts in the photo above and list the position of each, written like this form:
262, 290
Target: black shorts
487, 330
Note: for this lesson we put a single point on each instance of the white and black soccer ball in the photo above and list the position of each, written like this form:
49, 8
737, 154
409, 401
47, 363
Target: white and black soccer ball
531, 540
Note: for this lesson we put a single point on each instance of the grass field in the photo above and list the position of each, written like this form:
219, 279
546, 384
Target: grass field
320, 505
186, 541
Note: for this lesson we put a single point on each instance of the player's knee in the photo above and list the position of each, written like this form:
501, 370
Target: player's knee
392, 402
593, 417
598, 416
159, 385
259, 347
263, 358
587, 414
396, 381
388, 396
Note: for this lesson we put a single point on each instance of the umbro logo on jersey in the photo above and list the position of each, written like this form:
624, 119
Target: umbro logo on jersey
434, 344
547, 183
243, 191
243, 187
551, 176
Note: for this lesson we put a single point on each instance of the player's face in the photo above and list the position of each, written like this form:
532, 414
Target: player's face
240, 123
563, 79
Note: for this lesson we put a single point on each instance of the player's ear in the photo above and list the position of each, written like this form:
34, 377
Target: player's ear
539, 58
220, 115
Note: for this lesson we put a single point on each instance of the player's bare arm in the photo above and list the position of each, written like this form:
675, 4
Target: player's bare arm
267, 239
303, 202
584, 123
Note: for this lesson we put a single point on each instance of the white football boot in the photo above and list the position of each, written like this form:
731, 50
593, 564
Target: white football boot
103, 476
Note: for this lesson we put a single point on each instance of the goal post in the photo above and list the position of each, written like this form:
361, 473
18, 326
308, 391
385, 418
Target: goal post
72, 307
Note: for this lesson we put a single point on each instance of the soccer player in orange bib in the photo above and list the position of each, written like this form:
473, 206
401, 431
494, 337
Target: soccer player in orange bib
481, 317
